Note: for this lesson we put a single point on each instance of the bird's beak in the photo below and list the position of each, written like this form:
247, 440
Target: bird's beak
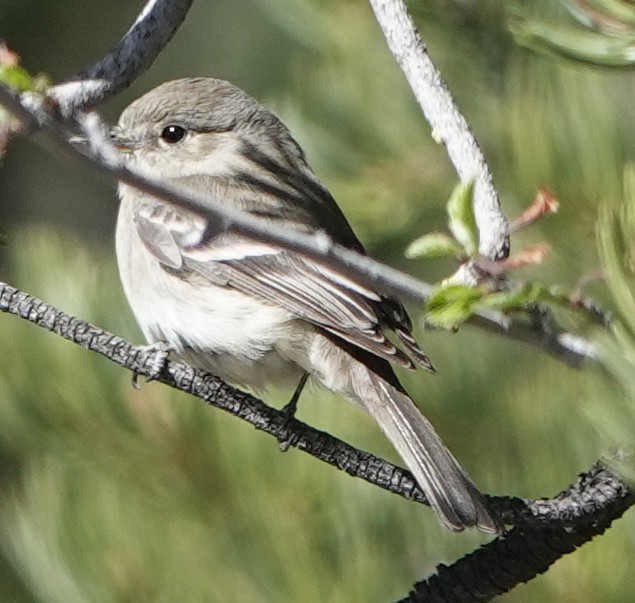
122, 142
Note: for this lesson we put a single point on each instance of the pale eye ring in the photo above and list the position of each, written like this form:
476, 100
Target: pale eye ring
173, 134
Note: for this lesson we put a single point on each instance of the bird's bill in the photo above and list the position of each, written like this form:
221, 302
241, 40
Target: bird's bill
123, 142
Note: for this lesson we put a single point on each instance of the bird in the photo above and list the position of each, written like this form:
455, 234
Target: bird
252, 312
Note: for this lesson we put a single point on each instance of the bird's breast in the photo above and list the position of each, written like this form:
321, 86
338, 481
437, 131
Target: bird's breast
231, 334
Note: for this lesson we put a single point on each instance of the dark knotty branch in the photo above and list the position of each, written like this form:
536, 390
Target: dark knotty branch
574, 517
144, 360
544, 530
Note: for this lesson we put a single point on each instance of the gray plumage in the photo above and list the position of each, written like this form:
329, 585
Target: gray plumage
254, 313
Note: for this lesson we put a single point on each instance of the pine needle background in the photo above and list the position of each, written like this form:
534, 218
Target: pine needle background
109, 494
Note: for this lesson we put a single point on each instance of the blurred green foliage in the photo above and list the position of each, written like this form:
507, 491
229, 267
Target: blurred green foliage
111, 494
596, 32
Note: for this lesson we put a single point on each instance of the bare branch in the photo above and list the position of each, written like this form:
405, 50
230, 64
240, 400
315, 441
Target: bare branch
539, 331
151, 31
100, 156
549, 529
448, 125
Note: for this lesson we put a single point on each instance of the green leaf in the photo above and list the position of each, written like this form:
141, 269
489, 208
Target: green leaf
461, 217
17, 78
433, 245
449, 306
516, 299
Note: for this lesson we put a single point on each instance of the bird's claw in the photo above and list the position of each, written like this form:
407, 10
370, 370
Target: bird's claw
161, 353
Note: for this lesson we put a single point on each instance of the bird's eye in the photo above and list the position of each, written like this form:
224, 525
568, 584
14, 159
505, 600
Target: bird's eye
173, 134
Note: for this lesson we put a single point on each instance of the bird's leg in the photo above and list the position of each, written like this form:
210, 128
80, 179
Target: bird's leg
291, 406
289, 409
161, 350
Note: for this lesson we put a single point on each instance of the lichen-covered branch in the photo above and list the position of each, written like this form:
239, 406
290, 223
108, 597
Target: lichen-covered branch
448, 125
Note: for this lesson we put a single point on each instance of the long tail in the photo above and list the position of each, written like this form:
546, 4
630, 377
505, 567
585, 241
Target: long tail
451, 493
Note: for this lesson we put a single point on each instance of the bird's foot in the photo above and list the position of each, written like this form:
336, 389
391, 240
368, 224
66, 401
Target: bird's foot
161, 353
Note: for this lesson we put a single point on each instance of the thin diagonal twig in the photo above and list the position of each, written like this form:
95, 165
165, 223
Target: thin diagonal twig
99, 155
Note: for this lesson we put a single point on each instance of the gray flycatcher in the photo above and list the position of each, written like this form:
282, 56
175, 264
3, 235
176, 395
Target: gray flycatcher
254, 313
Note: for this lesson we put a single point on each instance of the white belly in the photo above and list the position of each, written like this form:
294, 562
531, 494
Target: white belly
218, 329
